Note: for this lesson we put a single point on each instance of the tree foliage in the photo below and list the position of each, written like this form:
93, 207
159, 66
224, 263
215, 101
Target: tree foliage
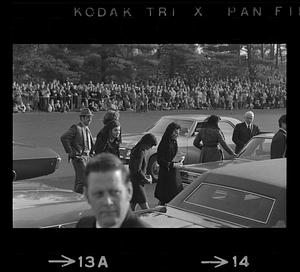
130, 62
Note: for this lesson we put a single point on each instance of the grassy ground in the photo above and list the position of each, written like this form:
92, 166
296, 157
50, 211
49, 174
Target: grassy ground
45, 129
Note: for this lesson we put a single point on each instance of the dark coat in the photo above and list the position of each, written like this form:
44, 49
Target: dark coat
210, 150
138, 168
241, 135
130, 221
167, 186
278, 145
103, 144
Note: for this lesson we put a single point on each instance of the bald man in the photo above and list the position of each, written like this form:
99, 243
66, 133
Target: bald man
244, 131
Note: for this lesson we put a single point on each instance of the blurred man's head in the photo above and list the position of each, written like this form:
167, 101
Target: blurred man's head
108, 189
249, 117
282, 122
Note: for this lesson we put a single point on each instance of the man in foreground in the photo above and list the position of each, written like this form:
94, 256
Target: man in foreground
108, 191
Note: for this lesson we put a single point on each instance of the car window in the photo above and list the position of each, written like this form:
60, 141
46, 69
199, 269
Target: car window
227, 130
161, 125
198, 127
257, 149
232, 201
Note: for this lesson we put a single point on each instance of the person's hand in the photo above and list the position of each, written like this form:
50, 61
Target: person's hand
177, 164
149, 179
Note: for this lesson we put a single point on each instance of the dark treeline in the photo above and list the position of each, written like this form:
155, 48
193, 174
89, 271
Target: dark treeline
121, 63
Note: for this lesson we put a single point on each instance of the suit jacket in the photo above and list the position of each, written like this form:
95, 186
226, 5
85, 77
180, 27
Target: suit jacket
73, 140
241, 135
278, 145
130, 221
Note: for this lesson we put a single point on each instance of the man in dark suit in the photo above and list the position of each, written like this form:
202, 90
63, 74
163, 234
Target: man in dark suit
278, 145
108, 191
244, 131
78, 143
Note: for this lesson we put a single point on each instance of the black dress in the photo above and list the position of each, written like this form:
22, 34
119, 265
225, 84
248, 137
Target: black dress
138, 168
167, 186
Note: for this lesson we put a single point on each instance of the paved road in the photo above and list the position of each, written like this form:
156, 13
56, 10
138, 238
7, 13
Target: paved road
45, 129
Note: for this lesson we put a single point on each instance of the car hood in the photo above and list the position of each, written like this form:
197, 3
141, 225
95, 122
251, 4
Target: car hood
21, 151
38, 195
37, 205
203, 167
175, 218
130, 140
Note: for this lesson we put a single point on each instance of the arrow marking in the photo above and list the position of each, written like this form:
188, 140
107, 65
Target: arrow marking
219, 262
66, 262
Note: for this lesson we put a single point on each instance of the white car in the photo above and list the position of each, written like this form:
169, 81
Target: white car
190, 125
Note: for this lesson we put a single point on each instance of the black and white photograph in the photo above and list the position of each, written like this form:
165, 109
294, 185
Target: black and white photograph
165, 120
215, 108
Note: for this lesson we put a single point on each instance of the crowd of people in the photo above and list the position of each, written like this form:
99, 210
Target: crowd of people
163, 94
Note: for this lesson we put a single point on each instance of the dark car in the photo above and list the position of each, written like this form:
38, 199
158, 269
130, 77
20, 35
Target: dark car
30, 161
248, 195
258, 148
36, 205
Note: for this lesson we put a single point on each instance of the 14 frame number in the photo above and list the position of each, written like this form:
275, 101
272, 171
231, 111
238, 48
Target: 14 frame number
242, 262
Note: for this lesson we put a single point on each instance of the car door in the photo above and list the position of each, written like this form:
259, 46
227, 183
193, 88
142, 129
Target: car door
193, 153
227, 129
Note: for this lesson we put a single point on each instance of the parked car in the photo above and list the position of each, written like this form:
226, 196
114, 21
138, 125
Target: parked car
190, 125
250, 195
37, 205
30, 161
258, 148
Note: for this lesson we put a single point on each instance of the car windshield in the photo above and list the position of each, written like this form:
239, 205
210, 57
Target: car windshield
226, 200
257, 149
161, 125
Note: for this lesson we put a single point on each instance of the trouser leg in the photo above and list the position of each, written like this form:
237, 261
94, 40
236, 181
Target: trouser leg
79, 167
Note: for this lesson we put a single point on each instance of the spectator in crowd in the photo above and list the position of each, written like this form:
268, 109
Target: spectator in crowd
138, 169
278, 145
108, 190
167, 186
173, 93
211, 137
244, 131
78, 144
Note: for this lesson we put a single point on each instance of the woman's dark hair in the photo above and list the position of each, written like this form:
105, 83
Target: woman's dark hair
111, 115
112, 124
212, 121
169, 130
148, 139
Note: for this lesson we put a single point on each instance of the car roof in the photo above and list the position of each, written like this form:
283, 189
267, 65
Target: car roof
271, 172
265, 135
198, 117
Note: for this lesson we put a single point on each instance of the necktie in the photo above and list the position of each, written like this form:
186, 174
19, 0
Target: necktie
88, 142
249, 129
